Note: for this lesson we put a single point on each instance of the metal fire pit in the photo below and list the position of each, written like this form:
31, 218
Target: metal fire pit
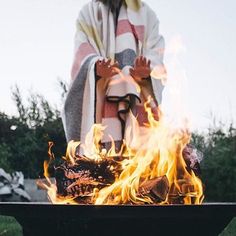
180, 220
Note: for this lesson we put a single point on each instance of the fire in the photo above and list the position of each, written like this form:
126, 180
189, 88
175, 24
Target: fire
150, 154
49, 186
158, 153
150, 167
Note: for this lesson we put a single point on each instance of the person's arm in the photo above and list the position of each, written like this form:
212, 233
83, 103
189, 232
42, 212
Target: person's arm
104, 70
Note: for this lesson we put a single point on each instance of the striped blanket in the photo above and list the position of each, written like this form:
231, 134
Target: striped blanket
90, 100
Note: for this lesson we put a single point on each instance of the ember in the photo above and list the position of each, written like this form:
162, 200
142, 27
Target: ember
155, 165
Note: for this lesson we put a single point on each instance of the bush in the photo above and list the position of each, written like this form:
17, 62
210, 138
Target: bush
24, 139
218, 166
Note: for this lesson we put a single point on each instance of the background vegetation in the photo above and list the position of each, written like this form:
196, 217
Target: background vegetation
24, 142
219, 163
24, 138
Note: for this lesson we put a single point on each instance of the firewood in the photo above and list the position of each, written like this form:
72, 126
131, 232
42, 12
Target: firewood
81, 179
181, 189
157, 188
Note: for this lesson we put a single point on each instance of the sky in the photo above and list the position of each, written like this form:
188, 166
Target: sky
36, 48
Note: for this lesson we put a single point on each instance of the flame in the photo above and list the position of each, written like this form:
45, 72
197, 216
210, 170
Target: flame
157, 153
91, 148
149, 153
49, 185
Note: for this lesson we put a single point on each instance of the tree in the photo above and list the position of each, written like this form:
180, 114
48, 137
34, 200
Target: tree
24, 143
218, 166
24, 138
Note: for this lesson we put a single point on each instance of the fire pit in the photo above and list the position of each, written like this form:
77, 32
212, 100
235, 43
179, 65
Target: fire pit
145, 187
46, 219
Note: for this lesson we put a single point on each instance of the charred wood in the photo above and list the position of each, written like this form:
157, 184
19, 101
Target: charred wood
157, 189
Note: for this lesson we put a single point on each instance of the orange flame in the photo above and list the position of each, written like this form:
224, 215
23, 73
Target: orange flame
151, 152
49, 185
157, 153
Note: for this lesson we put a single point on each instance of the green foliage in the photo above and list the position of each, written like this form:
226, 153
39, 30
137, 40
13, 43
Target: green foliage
219, 163
24, 143
230, 230
24, 139
5, 157
9, 226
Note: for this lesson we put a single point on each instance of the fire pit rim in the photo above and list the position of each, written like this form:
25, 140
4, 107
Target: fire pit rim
102, 211
214, 216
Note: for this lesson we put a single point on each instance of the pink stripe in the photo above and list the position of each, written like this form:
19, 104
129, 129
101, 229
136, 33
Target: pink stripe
142, 116
84, 50
139, 29
110, 110
124, 26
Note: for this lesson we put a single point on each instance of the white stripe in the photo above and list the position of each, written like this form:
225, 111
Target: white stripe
123, 40
113, 129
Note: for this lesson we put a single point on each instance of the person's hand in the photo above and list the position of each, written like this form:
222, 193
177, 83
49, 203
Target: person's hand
141, 70
105, 69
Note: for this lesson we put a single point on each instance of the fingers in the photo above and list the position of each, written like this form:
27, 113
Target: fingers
132, 70
137, 61
133, 73
135, 76
146, 62
99, 62
104, 62
108, 63
142, 61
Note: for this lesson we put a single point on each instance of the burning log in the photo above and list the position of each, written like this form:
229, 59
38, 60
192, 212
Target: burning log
157, 189
182, 191
86, 176
125, 176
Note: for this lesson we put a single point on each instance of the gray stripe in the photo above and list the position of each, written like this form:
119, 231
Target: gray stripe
72, 111
126, 58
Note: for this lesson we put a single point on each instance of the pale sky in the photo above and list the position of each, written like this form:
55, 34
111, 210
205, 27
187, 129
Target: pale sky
36, 47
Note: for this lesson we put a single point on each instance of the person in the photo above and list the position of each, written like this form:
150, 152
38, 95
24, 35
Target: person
117, 46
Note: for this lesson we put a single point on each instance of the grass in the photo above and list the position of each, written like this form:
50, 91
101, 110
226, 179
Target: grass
230, 230
10, 227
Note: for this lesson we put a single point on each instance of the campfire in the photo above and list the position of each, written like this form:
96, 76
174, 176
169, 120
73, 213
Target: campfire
155, 165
